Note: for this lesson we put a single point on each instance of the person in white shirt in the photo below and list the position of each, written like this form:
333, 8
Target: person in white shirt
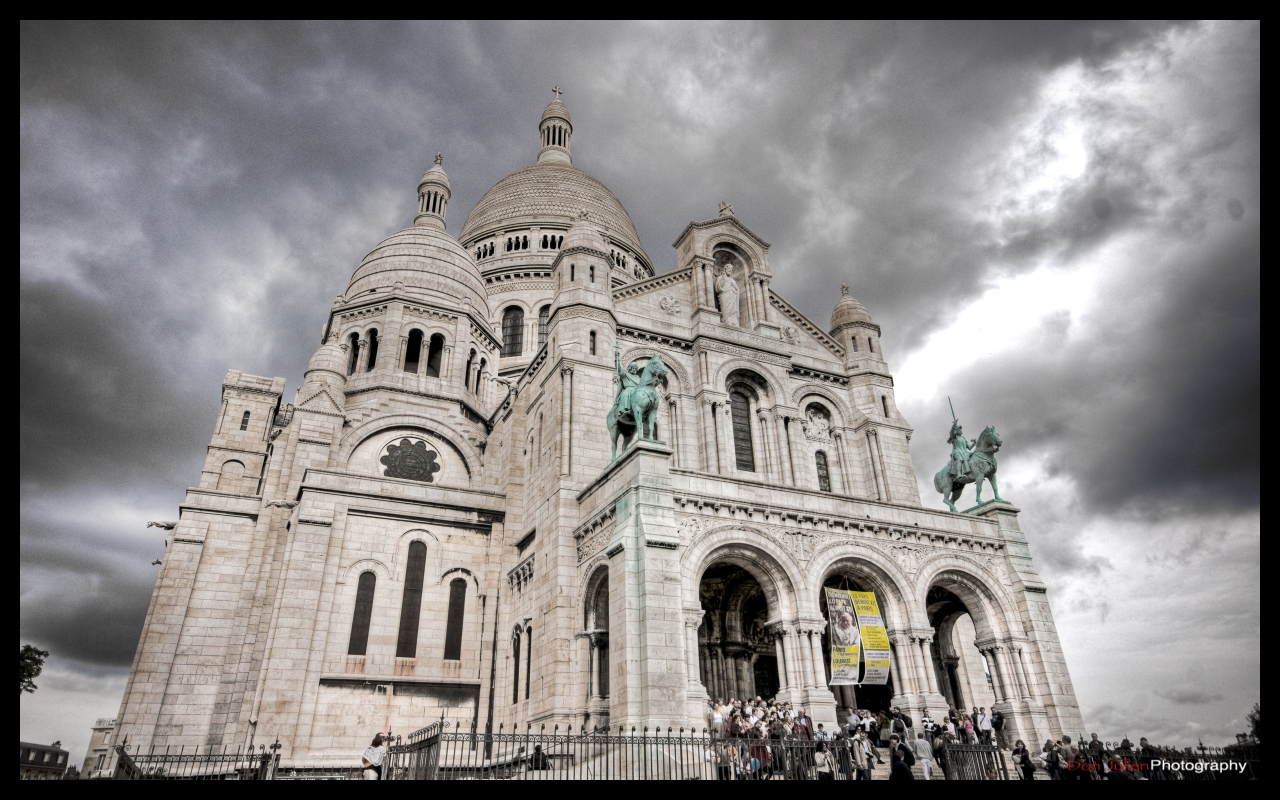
372, 759
983, 724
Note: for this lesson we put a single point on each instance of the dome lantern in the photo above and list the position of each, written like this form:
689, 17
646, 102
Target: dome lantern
433, 196
555, 129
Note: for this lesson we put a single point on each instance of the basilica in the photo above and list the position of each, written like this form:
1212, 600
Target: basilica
452, 520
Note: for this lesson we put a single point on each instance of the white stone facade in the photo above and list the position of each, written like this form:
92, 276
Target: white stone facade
435, 528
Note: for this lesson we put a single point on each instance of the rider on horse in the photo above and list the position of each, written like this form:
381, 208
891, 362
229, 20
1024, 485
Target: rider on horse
628, 379
960, 453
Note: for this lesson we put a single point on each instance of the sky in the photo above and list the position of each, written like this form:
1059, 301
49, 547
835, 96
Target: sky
1057, 226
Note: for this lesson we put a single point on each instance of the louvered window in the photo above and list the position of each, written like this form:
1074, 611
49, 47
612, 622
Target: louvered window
453, 634
824, 473
364, 613
512, 332
740, 411
411, 608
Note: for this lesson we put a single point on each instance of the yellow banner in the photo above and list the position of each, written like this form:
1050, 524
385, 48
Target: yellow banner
875, 639
842, 623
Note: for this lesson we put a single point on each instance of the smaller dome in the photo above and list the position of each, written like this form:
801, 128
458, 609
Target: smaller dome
427, 261
555, 109
847, 310
584, 233
436, 174
331, 357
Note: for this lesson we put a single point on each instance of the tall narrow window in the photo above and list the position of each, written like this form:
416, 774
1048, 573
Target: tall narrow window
544, 241
373, 351
466, 377
364, 613
512, 332
524, 242
515, 668
453, 631
824, 473
853, 342
434, 355
871, 345
571, 271
413, 352
353, 348
591, 273
592, 339
411, 607
244, 422
543, 314
528, 660
884, 403
740, 410
480, 375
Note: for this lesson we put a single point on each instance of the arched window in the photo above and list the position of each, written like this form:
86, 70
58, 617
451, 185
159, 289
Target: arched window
413, 352
740, 411
824, 473
480, 375
512, 332
871, 345
466, 376
591, 273
411, 607
353, 346
373, 351
544, 314
592, 339
884, 403
544, 241
229, 476
853, 341
571, 275
524, 242
364, 613
244, 422
434, 354
559, 241
515, 668
453, 631
528, 660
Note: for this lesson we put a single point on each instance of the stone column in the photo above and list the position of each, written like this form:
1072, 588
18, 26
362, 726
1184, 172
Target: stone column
692, 619
879, 453
837, 439
784, 466
894, 668
362, 350
724, 426
806, 658
764, 291
1030, 689
789, 654
784, 684
819, 668
566, 425
930, 673
875, 471
673, 433
588, 659
792, 434
710, 440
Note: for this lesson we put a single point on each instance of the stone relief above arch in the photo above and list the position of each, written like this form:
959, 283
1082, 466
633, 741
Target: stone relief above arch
398, 559
813, 392
984, 597
753, 549
460, 572
467, 455
773, 382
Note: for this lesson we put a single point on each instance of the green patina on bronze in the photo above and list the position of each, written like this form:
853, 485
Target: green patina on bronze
971, 461
635, 407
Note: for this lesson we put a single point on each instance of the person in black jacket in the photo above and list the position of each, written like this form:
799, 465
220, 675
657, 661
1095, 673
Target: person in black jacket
900, 760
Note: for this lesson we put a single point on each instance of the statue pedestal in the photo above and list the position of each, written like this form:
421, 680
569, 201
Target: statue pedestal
648, 682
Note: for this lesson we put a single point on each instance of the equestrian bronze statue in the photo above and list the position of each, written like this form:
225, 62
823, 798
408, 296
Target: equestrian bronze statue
968, 465
635, 406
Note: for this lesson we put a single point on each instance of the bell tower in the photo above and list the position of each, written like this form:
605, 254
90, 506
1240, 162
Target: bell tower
555, 129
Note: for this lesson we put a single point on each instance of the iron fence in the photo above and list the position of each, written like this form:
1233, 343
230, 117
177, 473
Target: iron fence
973, 762
194, 763
436, 753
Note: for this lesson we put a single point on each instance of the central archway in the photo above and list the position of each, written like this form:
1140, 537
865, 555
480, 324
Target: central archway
736, 653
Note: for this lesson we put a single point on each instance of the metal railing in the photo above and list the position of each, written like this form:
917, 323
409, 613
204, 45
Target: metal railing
973, 762
436, 753
195, 763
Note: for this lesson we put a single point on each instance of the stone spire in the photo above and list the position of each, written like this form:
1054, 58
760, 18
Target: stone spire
554, 131
433, 196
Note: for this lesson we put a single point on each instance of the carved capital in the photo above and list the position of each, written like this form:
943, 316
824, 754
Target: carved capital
566, 370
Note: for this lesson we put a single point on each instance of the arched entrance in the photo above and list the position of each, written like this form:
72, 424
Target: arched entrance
736, 657
964, 675
874, 698
595, 635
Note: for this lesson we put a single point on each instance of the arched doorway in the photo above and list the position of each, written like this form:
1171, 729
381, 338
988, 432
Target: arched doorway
874, 698
736, 655
964, 675
595, 635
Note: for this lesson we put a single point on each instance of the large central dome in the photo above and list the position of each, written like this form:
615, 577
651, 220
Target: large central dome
549, 192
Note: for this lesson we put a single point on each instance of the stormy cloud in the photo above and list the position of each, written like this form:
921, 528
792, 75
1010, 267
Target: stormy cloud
1056, 225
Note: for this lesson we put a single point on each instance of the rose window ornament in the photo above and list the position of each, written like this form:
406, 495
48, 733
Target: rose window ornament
410, 460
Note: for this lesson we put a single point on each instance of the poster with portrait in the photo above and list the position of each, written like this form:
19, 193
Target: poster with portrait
845, 638
875, 639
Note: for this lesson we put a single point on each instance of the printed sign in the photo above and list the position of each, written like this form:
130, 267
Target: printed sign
875, 639
846, 639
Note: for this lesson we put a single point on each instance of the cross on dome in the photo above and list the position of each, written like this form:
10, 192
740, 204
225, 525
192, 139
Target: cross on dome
557, 91
439, 159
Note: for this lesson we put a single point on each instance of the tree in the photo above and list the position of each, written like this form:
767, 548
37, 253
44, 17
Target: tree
32, 663
1255, 724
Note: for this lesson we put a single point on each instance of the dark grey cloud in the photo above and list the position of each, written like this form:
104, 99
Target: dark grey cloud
194, 195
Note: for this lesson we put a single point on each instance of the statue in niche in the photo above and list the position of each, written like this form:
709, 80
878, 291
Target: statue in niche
727, 295
816, 425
